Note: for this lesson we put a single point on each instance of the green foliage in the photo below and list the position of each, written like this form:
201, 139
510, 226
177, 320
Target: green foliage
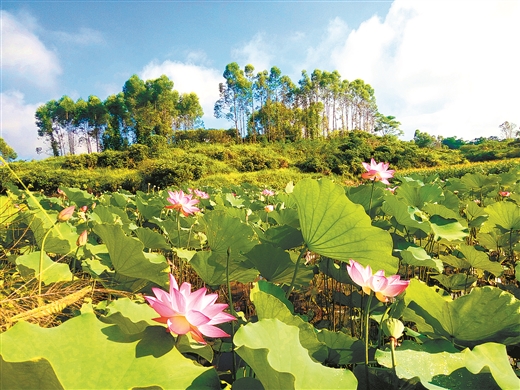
7, 152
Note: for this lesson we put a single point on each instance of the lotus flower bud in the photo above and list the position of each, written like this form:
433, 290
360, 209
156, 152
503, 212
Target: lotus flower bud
66, 214
393, 328
82, 239
269, 208
83, 209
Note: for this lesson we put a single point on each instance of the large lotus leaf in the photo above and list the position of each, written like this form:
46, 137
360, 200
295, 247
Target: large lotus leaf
505, 215
108, 357
36, 374
273, 349
284, 236
149, 208
454, 261
335, 227
335, 271
269, 306
130, 316
451, 200
475, 214
442, 210
480, 260
9, 210
485, 314
440, 366
343, 349
448, 228
52, 272
419, 258
152, 239
362, 194
127, 257
417, 196
275, 291
225, 232
456, 282
276, 266
79, 197
404, 215
120, 200
286, 216
212, 268
171, 229
477, 181
111, 215
61, 239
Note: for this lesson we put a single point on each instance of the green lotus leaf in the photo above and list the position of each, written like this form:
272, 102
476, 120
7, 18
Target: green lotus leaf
442, 210
108, 357
130, 316
343, 349
456, 282
505, 215
361, 195
335, 271
494, 239
284, 236
480, 260
440, 366
448, 228
79, 197
212, 268
276, 266
247, 383
403, 214
152, 239
149, 208
417, 196
269, 304
454, 261
273, 349
127, 257
486, 314
417, 256
335, 227
52, 272
62, 237
288, 217
33, 374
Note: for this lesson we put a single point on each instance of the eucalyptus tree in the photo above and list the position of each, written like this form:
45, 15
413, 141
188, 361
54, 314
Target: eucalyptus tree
189, 112
387, 125
48, 127
65, 114
116, 134
233, 101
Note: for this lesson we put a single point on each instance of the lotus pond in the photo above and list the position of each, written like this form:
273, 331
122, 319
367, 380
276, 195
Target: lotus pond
316, 286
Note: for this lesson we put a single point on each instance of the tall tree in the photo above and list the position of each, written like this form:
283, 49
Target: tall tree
508, 129
387, 125
48, 127
65, 114
116, 135
7, 152
189, 112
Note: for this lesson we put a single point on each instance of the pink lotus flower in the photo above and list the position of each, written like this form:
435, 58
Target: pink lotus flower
377, 171
383, 287
201, 194
66, 214
504, 193
267, 192
186, 312
182, 202
82, 239
83, 209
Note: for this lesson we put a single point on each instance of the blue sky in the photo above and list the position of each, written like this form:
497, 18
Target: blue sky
444, 67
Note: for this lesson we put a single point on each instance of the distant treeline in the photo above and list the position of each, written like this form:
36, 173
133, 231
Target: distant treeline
265, 105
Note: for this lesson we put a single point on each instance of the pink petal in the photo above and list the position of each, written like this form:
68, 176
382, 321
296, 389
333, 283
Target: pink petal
221, 318
163, 309
197, 318
212, 331
378, 283
173, 283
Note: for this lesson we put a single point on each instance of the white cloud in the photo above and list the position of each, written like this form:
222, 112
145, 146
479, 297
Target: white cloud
85, 36
255, 52
445, 68
190, 78
24, 56
17, 125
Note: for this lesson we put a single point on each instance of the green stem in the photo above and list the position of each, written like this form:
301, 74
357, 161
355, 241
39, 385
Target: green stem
370, 203
74, 263
233, 312
380, 332
296, 266
392, 349
367, 337
42, 254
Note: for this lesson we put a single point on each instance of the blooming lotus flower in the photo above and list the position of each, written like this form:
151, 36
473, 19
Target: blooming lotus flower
267, 192
189, 312
383, 287
504, 193
66, 214
361, 275
182, 202
269, 208
377, 171
201, 194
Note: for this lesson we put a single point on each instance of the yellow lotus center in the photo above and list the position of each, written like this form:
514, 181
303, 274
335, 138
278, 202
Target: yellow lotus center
180, 324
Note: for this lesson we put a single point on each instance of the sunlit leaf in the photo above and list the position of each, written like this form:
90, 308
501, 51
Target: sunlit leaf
480, 260
335, 227
52, 272
448, 228
273, 349
505, 215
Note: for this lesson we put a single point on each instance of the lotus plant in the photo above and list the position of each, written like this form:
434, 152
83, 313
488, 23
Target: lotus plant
377, 171
185, 312
182, 202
